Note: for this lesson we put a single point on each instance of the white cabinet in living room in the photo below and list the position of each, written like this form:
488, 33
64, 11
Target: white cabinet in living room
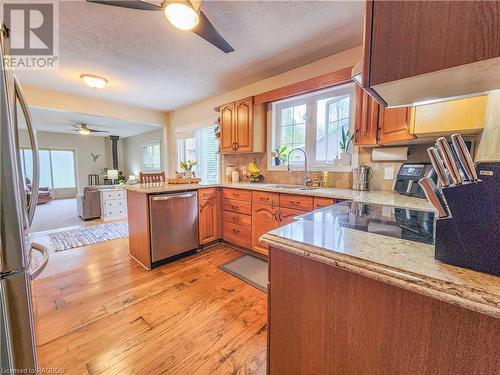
113, 204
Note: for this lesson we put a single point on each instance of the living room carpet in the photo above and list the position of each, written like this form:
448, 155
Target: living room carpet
68, 239
250, 269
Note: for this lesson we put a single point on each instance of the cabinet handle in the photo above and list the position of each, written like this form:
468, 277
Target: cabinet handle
236, 218
294, 203
236, 195
236, 231
234, 207
264, 198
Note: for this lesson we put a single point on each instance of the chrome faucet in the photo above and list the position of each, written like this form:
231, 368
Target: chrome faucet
307, 179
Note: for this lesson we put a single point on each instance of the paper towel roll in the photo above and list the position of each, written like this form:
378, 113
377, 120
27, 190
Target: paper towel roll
390, 153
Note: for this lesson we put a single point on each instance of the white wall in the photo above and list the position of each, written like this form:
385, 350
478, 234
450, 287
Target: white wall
83, 146
133, 153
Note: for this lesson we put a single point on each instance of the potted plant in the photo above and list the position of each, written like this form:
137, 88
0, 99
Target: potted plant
188, 168
344, 144
280, 154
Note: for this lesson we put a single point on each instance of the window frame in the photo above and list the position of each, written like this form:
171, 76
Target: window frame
310, 99
49, 150
145, 168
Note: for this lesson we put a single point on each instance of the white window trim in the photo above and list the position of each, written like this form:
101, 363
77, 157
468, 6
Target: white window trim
299, 167
143, 167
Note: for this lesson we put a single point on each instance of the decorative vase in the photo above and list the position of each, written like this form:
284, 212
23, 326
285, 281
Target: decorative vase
188, 174
345, 158
277, 161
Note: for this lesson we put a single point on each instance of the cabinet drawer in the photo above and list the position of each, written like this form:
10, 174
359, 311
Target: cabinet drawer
236, 218
320, 202
237, 194
112, 203
237, 234
299, 202
207, 193
113, 194
237, 206
264, 197
115, 211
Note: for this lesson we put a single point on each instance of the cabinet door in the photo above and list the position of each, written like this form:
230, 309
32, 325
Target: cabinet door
243, 125
227, 118
395, 125
366, 123
209, 221
264, 219
288, 215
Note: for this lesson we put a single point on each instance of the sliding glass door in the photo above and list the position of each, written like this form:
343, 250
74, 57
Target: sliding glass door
57, 168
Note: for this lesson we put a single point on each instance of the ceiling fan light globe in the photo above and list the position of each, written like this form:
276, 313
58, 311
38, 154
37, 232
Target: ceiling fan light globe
182, 16
84, 131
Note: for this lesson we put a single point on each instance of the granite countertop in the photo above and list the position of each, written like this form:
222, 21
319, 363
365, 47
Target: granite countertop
388, 198
406, 264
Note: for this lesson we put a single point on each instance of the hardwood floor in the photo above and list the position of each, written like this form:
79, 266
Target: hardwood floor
98, 312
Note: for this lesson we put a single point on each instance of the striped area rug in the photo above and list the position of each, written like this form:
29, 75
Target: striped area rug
68, 239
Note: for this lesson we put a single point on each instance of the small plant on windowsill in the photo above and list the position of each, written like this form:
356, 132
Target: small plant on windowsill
280, 154
187, 168
344, 144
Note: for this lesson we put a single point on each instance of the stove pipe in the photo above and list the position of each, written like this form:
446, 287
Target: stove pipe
114, 150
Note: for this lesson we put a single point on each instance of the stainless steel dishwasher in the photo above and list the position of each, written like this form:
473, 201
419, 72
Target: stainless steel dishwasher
174, 224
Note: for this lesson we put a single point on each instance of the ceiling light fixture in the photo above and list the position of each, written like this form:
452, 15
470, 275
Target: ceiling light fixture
94, 81
84, 131
182, 15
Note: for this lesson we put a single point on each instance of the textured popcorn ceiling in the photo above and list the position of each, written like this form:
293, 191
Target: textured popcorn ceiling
151, 64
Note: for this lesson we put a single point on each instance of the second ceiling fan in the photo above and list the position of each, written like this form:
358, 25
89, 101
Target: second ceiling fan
185, 15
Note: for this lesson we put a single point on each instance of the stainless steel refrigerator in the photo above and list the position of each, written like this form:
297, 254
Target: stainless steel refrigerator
17, 208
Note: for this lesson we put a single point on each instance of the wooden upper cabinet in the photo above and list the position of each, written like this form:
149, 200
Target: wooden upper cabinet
416, 50
243, 125
395, 125
227, 118
366, 122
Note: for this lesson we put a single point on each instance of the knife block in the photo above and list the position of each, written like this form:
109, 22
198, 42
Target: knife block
470, 238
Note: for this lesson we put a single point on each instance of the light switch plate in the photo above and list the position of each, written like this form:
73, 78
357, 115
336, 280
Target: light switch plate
388, 173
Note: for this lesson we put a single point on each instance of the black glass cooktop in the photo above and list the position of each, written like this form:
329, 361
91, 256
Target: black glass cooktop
389, 221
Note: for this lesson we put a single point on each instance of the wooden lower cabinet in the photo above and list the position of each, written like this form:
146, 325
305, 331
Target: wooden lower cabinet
264, 219
209, 216
288, 215
325, 320
321, 202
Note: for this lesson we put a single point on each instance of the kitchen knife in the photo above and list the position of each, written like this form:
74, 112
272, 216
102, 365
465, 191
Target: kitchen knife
434, 196
464, 157
449, 160
438, 165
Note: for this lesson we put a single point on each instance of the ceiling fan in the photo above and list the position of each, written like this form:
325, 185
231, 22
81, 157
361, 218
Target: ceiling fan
82, 128
183, 14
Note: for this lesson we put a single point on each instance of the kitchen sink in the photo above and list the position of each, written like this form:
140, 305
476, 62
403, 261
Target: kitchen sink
291, 187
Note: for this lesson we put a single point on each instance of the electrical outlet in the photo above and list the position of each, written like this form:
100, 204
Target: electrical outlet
388, 173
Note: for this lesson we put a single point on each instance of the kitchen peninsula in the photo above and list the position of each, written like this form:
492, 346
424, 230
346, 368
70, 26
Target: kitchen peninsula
376, 304
240, 213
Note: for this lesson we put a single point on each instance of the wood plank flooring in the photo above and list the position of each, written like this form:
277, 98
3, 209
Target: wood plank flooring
98, 312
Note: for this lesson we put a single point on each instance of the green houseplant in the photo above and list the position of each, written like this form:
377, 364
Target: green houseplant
344, 144
280, 154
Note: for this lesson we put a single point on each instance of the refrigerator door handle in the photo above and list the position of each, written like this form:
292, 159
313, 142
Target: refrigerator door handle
45, 252
35, 184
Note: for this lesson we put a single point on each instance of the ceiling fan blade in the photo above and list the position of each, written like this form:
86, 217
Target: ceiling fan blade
130, 4
207, 31
97, 131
